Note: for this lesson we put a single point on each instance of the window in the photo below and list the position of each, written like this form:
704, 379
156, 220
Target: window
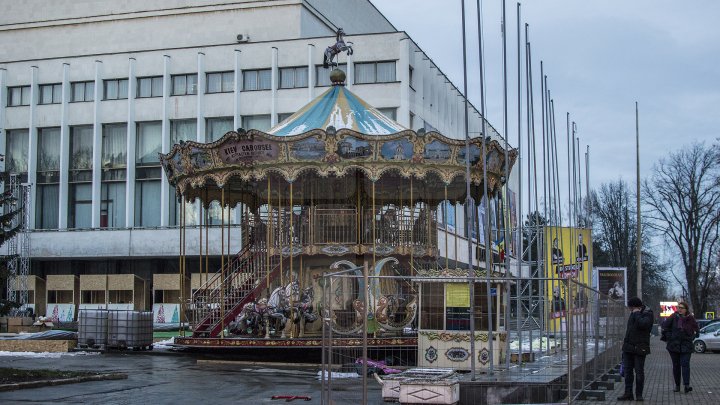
256, 79
217, 127
149, 142
149, 86
48, 177
182, 130
19, 95
50, 93
410, 77
147, 174
82, 91
374, 72
322, 75
184, 84
293, 77
115, 89
283, 116
445, 306
220, 82
259, 122
114, 144
389, 112
16, 150
80, 182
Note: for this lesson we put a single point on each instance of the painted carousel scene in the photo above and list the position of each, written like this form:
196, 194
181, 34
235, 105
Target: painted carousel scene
291, 201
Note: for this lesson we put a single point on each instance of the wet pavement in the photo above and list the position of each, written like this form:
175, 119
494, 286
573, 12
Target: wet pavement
179, 379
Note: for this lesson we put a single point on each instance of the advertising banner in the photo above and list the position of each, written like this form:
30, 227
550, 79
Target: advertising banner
166, 313
568, 255
667, 308
61, 312
613, 282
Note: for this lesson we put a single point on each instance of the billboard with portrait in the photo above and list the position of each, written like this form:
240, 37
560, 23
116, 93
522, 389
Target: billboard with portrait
568, 255
613, 282
667, 308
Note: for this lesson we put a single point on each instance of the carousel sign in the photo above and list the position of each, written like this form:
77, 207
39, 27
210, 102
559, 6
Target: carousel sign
248, 151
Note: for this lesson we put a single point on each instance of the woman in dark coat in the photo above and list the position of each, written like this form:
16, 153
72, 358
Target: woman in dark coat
680, 330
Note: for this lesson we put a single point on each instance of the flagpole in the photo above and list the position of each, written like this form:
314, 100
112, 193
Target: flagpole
468, 204
637, 191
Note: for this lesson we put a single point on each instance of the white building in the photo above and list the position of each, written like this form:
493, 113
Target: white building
91, 91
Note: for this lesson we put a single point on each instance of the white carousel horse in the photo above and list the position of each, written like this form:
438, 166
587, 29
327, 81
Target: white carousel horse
332, 51
279, 307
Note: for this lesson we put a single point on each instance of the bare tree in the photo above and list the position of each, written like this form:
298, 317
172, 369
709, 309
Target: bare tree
684, 197
615, 240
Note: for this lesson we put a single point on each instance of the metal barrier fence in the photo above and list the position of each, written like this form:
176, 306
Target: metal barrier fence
570, 353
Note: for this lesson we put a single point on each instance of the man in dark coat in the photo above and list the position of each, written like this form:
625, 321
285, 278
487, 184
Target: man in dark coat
635, 347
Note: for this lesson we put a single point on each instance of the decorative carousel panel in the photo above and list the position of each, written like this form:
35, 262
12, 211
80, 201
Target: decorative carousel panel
351, 147
310, 149
474, 155
200, 159
437, 152
397, 150
248, 151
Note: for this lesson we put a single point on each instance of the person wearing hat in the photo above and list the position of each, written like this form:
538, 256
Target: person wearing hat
636, 346
680, 329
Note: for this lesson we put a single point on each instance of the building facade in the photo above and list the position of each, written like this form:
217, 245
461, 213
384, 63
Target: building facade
91, 92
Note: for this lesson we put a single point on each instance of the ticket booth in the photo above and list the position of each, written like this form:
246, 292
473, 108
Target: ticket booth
444, 324
113, 291
166, 297
36, 293
63, 296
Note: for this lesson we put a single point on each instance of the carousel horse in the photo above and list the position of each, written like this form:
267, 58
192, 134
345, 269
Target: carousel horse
332, 51
251, 318
304, 310
279, 307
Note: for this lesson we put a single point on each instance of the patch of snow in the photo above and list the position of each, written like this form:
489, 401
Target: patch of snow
164, 344
336, 375
46, 355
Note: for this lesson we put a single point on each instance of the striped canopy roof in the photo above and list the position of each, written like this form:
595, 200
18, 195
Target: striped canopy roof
340, 108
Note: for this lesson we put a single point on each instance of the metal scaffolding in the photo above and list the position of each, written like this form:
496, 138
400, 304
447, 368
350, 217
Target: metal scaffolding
19, 245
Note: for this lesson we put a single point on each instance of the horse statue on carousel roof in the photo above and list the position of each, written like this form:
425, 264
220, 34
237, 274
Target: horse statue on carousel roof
332, 51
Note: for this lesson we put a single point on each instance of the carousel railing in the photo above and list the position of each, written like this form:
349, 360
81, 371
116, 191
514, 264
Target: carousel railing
334, 226
400, 227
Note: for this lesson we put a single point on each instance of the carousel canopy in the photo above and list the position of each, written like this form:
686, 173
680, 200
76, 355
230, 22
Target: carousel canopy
340, 108
336, 136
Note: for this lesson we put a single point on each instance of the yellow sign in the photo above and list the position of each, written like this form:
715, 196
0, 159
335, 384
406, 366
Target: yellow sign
568, 255
709, 315
457, 295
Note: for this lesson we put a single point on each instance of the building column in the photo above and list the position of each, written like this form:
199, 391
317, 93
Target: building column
97, 148
64, 149
350, 76
3, 134
200, 97
273, 87
403, 76
311, 73
32, 144
236, 91
130, 153
164, 184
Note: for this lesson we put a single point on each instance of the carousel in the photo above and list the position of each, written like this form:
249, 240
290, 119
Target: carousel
335, 186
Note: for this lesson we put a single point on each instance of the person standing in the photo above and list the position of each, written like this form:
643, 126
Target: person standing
636, 346
680, 330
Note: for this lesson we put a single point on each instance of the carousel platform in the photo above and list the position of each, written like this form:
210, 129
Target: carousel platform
300, 343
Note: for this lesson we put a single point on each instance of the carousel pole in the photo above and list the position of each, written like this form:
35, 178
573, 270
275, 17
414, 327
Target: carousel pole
468, 205
290, 270
207, 239
180, 265
279, 230
412, 222
268, 235
222, 263
445, 219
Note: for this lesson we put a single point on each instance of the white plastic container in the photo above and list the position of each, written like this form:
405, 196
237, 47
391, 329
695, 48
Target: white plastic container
130, 329
92, 328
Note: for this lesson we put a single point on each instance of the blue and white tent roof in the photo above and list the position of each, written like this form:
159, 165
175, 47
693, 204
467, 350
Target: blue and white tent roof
340, 108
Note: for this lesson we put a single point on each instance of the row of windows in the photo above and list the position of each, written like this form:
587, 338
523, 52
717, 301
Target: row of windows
186, 84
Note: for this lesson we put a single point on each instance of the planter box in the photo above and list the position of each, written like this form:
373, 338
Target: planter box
430, 391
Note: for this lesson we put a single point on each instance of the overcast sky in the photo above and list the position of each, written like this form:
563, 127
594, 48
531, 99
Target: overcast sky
600, 57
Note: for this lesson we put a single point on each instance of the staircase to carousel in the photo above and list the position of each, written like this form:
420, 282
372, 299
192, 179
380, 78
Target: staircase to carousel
215, 304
